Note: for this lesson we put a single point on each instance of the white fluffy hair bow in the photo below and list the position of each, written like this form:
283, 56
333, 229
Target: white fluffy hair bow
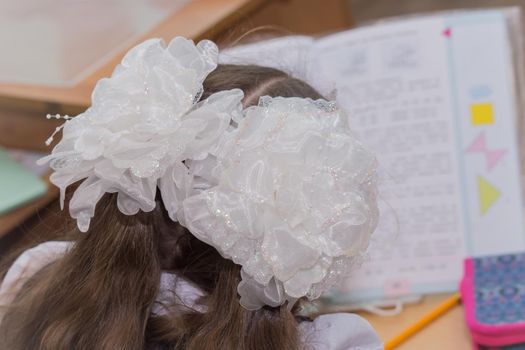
283, 189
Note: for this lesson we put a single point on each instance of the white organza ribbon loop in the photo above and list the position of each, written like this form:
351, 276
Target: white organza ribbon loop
294, 203
142, 125
283, 189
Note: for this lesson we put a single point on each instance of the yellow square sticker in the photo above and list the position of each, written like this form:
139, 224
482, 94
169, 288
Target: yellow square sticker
481, 113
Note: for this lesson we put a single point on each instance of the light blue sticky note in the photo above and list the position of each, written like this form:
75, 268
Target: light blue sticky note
17, 185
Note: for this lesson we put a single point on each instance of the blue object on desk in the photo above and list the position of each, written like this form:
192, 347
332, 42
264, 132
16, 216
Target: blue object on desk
493, 295
17, 185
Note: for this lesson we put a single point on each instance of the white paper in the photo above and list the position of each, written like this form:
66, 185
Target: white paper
393, 80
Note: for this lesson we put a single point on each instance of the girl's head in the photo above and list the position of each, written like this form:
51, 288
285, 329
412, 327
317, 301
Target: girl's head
100, 295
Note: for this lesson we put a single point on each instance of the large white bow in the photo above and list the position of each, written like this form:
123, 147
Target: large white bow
288, 194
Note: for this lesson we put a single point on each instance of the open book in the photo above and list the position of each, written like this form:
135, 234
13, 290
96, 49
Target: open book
436, 97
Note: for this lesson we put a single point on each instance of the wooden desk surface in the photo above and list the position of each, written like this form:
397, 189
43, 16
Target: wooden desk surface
197, 19
449, 332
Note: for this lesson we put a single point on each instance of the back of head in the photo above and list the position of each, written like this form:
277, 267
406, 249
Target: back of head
100, 295
255, 82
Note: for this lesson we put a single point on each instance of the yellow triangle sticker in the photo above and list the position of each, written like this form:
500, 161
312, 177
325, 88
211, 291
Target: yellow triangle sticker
488, 195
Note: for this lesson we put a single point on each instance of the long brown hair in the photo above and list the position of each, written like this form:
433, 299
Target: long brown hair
101, 293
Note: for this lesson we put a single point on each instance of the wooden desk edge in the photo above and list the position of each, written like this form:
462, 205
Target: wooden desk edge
447, 332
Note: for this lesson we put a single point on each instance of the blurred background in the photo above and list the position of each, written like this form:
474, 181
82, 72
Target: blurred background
54, 51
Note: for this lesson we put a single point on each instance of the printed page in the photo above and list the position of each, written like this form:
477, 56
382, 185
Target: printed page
394, 81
